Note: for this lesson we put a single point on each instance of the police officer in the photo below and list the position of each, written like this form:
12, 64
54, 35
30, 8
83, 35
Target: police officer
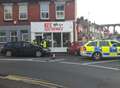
44, 43
34, 42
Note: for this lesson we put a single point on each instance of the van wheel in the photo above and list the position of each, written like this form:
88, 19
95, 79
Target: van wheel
97, 56
8, 53
38, 54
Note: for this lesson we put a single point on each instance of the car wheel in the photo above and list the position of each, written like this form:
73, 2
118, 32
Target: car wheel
97, 56
38, 54
8, 53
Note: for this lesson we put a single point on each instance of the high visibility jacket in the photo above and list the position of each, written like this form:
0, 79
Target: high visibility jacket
34, 42
44, 44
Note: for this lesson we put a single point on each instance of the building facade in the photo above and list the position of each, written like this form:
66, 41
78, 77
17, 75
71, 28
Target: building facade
27, 20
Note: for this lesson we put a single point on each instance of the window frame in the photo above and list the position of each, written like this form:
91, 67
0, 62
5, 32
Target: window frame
13, 36
10, 6
47, 3
26, 6
92, 42
104, 45
63, 11
3, 37
118, 44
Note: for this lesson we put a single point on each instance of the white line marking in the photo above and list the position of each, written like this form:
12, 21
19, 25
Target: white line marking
98, 66
15, 59
56, 60
33, 60
22, 60
97, 62
90, 65
71, 63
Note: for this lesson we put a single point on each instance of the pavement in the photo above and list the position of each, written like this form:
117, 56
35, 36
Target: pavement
63, 71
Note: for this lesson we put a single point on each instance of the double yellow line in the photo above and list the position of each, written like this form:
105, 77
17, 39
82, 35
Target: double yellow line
32, 81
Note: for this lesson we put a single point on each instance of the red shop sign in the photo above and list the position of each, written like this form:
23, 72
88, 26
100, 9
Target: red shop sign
53, 27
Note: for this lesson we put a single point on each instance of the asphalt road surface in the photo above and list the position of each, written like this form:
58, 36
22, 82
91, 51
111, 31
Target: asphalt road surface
69, 72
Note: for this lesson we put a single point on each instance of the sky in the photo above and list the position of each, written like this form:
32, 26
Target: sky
100, 11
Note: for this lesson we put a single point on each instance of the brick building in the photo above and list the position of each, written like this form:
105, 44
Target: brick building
36, 19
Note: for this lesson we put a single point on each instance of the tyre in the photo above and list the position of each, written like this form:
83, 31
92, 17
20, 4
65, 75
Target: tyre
38, 54
8, 53
96, 56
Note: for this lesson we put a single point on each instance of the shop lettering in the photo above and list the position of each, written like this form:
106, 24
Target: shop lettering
53, 27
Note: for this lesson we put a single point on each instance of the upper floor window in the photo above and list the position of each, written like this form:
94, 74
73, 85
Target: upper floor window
60, 13
23, 11
8, 14
44, 10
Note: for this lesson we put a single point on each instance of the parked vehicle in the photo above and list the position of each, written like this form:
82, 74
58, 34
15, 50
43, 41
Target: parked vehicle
74, 48
101, 48
23, 49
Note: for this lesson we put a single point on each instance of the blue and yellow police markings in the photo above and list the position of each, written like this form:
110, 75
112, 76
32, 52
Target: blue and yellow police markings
118, 50
113, 51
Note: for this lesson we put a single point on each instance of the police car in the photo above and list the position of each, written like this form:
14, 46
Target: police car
101, 48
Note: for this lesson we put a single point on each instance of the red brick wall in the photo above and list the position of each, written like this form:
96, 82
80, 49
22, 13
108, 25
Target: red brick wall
52, 12
15, 13
70, 10
1, 14
33, 12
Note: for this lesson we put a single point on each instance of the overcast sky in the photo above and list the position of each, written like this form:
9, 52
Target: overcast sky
100, 11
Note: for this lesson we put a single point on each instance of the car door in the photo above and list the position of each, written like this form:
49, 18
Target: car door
90, 47
18, 50
28, 49
116, 45
106, 49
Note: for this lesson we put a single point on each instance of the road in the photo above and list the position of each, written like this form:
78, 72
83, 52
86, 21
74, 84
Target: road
69, 72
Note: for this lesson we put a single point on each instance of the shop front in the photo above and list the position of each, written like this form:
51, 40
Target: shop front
57, 33
14, 33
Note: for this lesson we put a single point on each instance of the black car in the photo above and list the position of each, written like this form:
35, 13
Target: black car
22, 48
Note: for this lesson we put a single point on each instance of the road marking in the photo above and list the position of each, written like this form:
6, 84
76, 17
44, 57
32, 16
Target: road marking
32, 81
15, 59
71, 63
99, 66
98, 62
56, 60
91, 65
33, 60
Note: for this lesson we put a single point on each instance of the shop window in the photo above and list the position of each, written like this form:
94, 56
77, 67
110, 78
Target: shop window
48, 37
23, 11
8, 12
3, 37
60, 14
66, 39
13, 36
56, 39
25, 36
44, 10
